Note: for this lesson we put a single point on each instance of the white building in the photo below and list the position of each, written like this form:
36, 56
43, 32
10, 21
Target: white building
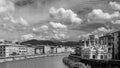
30, 51
43, 49
47, 49
8, 50
92, 53
22, 50
60, 49
53, 49
95, 51
11, 51
39, 49
71, 49
19, 50
4, 51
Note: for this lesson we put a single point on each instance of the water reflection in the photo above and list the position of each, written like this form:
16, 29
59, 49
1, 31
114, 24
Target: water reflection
43, 62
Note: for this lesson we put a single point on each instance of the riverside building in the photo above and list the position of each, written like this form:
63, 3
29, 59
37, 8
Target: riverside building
112, 40
93, 50
11, 50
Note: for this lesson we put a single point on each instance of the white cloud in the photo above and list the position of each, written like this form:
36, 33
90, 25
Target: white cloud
8, 27
19, 20
44, 27
6, 18
100, 14
64, 15
84, 36
102, 30
60, 36
6, 5
41, 38
116, 22
115, 5
59, 31
56, 36
54, 33
34, 29
57, 25
22, 21
27, 37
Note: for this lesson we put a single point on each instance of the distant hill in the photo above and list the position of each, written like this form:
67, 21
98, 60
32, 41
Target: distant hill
35, 42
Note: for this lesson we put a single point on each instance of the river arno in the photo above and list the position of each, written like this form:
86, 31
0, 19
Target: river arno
42, 62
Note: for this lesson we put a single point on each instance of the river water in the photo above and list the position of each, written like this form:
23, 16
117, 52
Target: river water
42, 62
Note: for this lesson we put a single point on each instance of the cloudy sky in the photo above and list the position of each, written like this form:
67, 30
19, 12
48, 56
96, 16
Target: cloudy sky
57, 19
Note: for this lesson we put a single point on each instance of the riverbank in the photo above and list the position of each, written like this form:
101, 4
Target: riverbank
74, 64
15, 58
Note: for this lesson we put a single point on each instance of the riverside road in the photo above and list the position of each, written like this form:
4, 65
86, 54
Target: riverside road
42, 62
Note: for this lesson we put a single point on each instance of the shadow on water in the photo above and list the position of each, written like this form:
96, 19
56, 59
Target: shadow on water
108, 66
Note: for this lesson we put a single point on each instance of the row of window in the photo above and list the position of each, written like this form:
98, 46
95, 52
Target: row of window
2, 49
22, 48
2, 46
2, 52
22, 51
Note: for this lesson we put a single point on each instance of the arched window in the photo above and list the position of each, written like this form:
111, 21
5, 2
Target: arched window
101, 56
93, 56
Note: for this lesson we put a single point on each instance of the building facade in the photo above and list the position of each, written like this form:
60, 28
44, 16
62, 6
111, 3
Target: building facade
30, 51
70, 49
3, 50
39, 50
8, 50
22, 50
112, 40
106, 41
53, 49
47, 49
116, 45
61, 49
93, 50
11, 51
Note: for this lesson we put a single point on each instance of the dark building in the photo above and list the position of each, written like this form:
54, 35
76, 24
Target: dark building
2, 50
92, 39
116, 42
81, 42
112, 40
107, 40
